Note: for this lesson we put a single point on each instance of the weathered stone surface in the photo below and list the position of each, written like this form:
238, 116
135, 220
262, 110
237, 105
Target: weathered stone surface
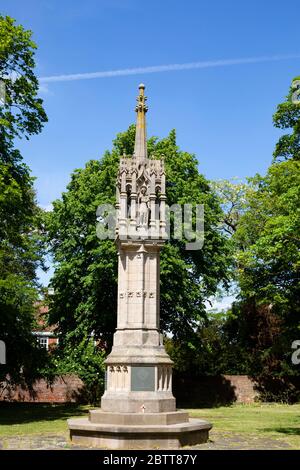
135, 402
138, 346
174, 417
138, 406
172, 436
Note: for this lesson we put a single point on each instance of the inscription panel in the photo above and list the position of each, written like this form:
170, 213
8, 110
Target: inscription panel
143, 379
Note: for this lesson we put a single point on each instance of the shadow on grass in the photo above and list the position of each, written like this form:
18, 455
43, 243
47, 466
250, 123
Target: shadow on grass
21, 413
290, 431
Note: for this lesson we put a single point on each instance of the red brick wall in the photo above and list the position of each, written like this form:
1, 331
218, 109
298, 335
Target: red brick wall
64, 389
243, 388
188, 391
212, 391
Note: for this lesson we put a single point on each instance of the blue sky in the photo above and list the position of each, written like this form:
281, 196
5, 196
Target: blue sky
223, 114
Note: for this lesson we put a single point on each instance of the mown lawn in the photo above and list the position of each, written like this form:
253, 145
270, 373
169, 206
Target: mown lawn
274, 421
18, 419
262, 420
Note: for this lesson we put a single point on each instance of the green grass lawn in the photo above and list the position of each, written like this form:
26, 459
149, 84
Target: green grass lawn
18, 419
262, 420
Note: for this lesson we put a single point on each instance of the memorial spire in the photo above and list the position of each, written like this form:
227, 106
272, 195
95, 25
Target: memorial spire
140, 144
138, 409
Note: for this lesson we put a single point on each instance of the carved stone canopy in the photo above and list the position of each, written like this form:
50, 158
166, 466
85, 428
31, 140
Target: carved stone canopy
141, 186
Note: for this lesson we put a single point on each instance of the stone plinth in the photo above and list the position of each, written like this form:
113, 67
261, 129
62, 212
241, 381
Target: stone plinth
139, 436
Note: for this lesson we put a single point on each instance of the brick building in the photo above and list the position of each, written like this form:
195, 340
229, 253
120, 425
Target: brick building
44, 333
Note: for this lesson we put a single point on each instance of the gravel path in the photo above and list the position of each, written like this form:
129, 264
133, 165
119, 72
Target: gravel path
218, 441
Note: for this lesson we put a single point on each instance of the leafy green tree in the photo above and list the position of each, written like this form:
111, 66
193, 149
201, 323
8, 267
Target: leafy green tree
262, 221
232, 196
268, 260
287, 116
21, 111
86, 360
268, 236
85, 278
21, 114
216, 348
268, 257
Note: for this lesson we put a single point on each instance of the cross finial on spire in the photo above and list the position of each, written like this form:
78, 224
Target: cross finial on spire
140, 145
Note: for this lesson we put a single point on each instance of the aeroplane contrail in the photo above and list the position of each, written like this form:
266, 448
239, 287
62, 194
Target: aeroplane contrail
165, 68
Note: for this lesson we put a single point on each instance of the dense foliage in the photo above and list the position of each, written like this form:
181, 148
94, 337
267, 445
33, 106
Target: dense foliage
85, 278
262, 219
287, 116
21, 114
86, 361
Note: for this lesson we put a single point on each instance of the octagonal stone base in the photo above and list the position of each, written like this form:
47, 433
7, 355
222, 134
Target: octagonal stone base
138, 431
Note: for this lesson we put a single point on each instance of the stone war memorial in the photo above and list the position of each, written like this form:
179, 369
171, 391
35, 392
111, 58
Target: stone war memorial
138, 409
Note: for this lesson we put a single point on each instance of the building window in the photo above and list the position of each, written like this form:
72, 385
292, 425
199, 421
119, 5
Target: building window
43, 341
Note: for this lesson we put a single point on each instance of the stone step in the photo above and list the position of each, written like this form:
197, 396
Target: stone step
173, 417
146, 436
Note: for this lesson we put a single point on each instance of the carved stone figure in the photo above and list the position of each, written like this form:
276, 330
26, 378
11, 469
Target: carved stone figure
143, 202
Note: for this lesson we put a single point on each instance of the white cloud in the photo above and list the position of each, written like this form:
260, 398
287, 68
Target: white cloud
166, 68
